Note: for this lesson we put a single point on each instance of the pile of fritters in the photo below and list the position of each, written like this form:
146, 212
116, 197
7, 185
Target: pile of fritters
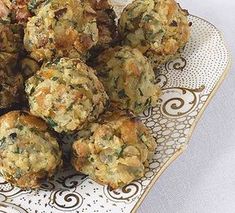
71, 67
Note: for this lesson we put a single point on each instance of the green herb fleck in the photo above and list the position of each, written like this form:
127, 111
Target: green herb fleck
18, 150
20, 128
2, 141
32, 91
70, 107
141, 93
120, 151
51, 122
148, 102
91, 159
122, 94
55, 78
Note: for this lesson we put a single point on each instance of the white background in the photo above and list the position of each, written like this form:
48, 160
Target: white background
202, 180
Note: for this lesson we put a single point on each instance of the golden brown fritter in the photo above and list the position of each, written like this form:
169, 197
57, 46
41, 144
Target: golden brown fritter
116, 150
28, 152
158, 28
67, 94
61, 29
128, 78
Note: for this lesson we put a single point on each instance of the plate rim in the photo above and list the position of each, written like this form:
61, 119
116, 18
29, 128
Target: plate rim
198, 118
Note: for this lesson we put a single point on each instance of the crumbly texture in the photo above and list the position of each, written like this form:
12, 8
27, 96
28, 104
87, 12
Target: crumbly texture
28, 152
28, 67
11, 82
10, 38
105, 17
14, 11
67, 94
128, 78
158, 28
116, 151
19, 11
5, 10
61, 29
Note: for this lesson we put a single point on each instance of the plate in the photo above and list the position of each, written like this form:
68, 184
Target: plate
188, 84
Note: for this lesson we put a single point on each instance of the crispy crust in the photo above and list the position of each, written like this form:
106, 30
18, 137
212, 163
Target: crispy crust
28, 152
116, 150
158, 28
128, 78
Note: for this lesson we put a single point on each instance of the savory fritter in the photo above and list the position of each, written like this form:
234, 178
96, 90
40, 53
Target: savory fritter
11, 82
28, 67
62, 29
158, 28
11, 38
105, 22
67, 94
116, 150
28, 152
128, 78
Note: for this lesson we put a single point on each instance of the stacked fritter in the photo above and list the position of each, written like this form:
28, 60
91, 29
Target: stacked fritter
82, 73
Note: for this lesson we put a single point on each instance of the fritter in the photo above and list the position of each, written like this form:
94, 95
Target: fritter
61, 29
158, 28
128, 78
28, 152
67, 94
116, 151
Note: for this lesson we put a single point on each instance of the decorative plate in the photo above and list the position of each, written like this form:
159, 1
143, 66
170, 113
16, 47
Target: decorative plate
188, 83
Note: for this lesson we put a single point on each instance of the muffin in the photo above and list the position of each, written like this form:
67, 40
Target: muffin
128, 78
116, 151
106, 24
158, 28
67, 94
11, 82
28, 152
61, 29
